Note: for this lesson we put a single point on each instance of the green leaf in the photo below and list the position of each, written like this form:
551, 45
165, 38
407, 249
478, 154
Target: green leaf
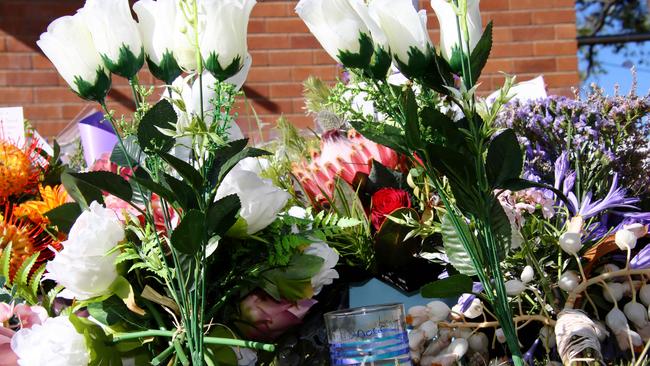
384, 134
454, 248
185, 170
100, 346
83, 193
188, 237
501, 228
35, 281
293, 282
154, 187
160, 116
5, 263
411, 119
444, 131
382, 177
249, 152
107, 181
184, 194
481, 53
22, 274
222, 215
505, 160
452, 286
64, 216
221, 355
113, 311
361, 59
132, 156
391, 251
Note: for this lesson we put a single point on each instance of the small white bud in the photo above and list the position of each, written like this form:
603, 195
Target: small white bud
614, 291
571, 242
458, 347
501, 337
547, 336
515, 287
639, 230
417, 315
625, 239
609, 268
429, 328
478, 342
528, 274
637, 313
569, 281
644, 294
616, 320
438, 311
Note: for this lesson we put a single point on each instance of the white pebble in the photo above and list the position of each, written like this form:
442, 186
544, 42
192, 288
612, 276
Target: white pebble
438, 311
528, 274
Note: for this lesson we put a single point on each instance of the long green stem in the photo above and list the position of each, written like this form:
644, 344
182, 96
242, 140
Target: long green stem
120, 337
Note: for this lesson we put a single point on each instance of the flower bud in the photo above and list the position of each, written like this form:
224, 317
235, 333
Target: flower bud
438, 311
501, 337
515, 287
547, 336
569, 281
478, 342
625, 239
644, 294
639, 230
416, 340
637, 313
527, 274
474, 310
616, 320
571, 243
614, 291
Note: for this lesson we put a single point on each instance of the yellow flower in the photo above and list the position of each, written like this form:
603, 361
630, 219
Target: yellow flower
51, 198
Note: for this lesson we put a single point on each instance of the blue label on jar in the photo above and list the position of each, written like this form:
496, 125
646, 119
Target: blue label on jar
381, 346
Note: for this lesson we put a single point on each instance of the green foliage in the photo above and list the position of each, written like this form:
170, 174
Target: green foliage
64, 216
292, 282
100, 345
481, 53
190, 235
143, 251
25, 283
505, 160
83, 193
161, 116
452, 286
106, 181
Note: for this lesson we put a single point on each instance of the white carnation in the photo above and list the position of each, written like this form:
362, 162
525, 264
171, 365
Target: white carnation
83, 266
327, 273
56, 342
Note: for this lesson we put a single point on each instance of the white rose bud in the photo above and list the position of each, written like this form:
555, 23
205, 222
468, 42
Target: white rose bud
405, 29
644, 294
639, 230
515, 287
637, 313
449, 42
85, 270
261, 201
571, 243
55, 342
569, 281
474, 310
69, 46
625, 239
528, 274
327, 273
223, 43
614, 291
115, 34
438, 311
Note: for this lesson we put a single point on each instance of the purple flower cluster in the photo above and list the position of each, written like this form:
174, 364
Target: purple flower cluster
603, 134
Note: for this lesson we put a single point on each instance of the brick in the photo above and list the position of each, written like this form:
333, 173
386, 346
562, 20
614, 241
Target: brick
556, 48
509, 18
565, 31
257, 90
285, 90
567, 63
495, 5
256, 26
566, 79
286, 25
534, 65
554, 16
13, 96
534, 33
512, 49
15, 61
43, 111
290, 57
258, 74
300, 73
498, 65
266, 41
304, 41
20, 45
39, 61
323, 58
272, 9
33, 78
54, 95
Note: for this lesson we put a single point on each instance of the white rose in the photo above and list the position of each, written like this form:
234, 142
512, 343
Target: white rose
53, 343
405, 29
327, 273
223, 42
336, 25
163, 41
68, 44
83, 266
261, 201
115, 34
449, 31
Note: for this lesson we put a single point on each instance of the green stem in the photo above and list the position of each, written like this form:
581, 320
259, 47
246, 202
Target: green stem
133, 82
163, 356
208, 340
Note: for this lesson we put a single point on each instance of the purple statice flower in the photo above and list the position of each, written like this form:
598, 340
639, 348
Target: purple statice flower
615, 198
642, 259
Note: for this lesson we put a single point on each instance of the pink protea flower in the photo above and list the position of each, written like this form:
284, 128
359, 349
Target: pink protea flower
341, 155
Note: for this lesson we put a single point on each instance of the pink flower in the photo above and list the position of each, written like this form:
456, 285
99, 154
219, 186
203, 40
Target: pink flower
265, 319
30, 315
7, 356
105, 164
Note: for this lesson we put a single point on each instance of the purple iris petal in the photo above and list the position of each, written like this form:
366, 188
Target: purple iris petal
642, 259
529, 357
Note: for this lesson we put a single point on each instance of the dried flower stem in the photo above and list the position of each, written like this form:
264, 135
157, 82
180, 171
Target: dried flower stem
573, 295
495, 324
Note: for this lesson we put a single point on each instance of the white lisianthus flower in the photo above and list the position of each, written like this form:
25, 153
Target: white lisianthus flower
162, 38
69, 45
261, 201
449, 43
115, 34
83, 266
223, 42
56, 342
327, 273
339, 29
405, 29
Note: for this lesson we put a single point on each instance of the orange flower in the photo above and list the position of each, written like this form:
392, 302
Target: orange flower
51, 197
18, 169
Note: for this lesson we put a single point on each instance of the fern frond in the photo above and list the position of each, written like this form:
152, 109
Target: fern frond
5, 262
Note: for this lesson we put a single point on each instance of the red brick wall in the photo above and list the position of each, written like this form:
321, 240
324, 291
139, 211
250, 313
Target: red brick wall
532, 37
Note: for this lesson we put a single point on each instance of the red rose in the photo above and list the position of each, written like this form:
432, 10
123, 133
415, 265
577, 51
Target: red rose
385, 201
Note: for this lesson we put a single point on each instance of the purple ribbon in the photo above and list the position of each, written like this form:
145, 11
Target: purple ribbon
97, 137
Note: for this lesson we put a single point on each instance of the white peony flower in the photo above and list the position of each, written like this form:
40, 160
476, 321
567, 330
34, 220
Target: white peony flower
69, 45
161, 24
83, 266
53, 343
327, 273
405, 29
223, 41
115, 34
337, 26
446, 15
261, 201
